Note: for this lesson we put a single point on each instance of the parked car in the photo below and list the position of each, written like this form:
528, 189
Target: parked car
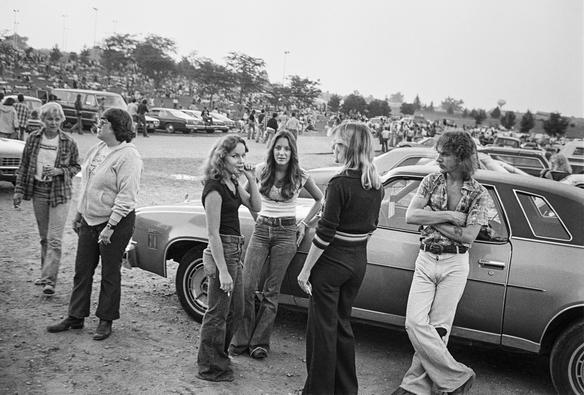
203, 126
405, 156
210, 127
531, 145
574, 151
421, 142
505, 141
89, 99
576, 180
10, 154
151, 124
172, 120
530, 161
525, 287
33, 104
230, 123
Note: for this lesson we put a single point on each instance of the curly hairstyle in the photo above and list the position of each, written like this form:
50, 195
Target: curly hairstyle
51, 108
293, 176
214, 167
122, 124
463, 147
359, 153
559, 162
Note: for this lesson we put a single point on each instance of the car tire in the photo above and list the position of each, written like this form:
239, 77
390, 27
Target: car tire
567, 360
225, 131
210, 131
169, 127
191, 283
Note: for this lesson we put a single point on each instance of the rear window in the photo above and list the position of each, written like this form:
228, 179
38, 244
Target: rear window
542, 217
520, 161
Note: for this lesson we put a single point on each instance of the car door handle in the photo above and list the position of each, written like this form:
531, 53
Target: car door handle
492, 264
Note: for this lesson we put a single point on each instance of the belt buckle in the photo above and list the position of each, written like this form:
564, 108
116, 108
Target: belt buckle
436, 249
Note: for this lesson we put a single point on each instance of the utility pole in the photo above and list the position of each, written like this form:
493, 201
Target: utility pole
95, 27
14, 29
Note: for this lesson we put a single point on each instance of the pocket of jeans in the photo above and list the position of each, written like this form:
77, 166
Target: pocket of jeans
209, 263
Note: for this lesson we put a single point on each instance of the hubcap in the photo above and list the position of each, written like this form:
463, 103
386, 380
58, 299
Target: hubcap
576, 369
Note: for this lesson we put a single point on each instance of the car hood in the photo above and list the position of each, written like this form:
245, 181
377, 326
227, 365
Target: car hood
11, 147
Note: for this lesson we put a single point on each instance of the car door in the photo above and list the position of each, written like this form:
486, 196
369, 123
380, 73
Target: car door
392, 252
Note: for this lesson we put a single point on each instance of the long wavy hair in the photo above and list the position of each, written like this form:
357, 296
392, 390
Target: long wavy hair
214, 167
293, 176
461, 144
359, 153
559, 162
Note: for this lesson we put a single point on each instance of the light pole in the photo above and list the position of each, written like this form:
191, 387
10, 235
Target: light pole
15, 23
95, 27
284, 69
64, 16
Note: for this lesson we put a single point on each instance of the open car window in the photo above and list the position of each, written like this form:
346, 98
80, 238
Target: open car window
399, 193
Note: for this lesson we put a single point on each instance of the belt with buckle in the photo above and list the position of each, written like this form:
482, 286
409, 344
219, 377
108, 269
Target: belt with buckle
438, 249
276, 221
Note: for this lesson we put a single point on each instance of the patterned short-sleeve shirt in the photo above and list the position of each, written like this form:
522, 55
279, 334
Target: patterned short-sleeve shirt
474, 203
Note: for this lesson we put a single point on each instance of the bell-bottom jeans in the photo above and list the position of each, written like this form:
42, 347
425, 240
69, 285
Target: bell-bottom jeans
89, 252
436, 289
279, 243
223, 314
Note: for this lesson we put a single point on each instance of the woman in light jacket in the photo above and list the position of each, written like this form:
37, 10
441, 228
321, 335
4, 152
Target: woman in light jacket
105, 221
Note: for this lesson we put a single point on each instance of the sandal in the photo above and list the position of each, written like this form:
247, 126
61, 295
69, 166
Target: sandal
259, 353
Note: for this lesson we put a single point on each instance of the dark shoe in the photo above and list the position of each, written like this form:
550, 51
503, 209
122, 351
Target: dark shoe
104, 329
225, 376
402, 391
69, 322
258, 353
465, 388
49, 289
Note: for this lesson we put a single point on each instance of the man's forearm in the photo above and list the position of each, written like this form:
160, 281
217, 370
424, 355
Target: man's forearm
462, 234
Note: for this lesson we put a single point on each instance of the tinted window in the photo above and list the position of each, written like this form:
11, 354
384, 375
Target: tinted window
520, 161
542, 218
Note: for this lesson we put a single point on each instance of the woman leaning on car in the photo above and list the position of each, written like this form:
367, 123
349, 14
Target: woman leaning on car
49, 161
104, 221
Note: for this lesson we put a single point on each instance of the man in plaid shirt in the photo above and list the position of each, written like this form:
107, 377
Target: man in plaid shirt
23, 113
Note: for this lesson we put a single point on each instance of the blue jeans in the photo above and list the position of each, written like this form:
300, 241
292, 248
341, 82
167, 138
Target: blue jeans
224, 312
437, 287
89, 252
51, 223
279, 242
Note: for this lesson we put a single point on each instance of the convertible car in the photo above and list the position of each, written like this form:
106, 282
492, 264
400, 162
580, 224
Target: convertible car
526, 283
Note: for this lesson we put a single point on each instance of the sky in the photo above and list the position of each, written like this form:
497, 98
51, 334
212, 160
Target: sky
528, 53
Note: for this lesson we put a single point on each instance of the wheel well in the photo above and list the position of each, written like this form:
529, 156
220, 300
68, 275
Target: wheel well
177, 250
558, 325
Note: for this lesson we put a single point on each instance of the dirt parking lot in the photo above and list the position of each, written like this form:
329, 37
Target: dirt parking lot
154, 345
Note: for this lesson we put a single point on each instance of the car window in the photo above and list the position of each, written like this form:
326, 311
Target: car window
400, 192
90, 100
520, 161
578, 151
543, 220
414, 161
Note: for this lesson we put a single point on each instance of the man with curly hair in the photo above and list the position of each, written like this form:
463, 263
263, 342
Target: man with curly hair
450, 207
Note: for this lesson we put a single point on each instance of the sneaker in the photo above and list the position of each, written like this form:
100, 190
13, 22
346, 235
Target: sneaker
49, 289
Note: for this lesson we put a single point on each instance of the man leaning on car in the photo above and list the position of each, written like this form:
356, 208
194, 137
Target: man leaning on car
450, 206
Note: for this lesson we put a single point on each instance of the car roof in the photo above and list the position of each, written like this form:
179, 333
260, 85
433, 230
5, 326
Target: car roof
511, 150
103, 93
31, 98
492, 177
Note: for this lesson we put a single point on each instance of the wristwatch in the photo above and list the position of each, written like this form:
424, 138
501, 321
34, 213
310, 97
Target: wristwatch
110, 226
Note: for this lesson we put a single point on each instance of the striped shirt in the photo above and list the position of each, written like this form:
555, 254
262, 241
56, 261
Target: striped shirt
67, 159
350, 212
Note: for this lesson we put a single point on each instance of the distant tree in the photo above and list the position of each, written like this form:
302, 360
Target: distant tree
430, 107
354, 104
397, 97
378, 108
118, 51
417, 103
527, 122
334, 103
250, 74
153, 62
496, 113
213, 78
478, 115
556, 125
465, 113
407, 108
304, 90
450, 105
508, 120
55, 55
84, 56
278, 96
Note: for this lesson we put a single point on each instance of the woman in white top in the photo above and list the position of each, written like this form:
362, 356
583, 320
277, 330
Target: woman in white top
277, 234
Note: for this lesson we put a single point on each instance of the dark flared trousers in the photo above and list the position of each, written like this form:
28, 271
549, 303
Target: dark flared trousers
88, 253
330, 344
